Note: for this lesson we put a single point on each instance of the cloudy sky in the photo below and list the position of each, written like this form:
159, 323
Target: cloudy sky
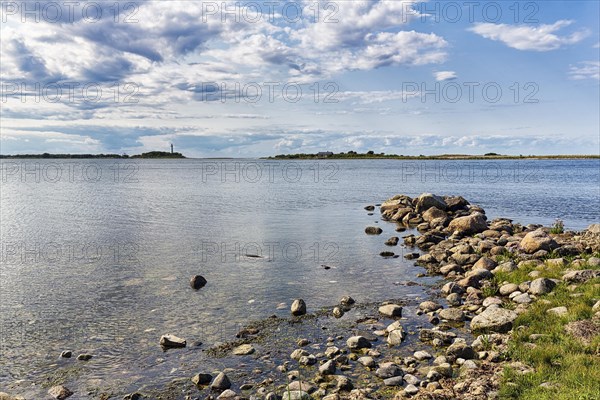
257, 78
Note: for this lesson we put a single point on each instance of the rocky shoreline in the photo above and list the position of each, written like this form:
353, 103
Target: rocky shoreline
468, 341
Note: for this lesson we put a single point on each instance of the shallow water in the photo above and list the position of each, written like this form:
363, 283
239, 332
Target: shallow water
97, 254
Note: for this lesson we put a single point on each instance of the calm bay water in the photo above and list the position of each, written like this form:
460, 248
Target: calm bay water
97, 254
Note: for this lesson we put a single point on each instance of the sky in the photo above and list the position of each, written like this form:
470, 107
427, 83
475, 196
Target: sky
259, 78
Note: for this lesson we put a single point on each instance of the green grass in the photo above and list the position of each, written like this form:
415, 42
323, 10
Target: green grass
557, 358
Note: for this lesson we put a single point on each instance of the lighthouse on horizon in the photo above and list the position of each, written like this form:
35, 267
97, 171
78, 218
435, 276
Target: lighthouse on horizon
171, 148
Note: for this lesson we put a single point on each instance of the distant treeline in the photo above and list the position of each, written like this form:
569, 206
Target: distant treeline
373, 155
151, 154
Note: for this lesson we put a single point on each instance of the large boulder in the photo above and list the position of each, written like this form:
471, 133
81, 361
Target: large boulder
434, 213
456, 203
537, 240
428, 200
494, 319
469, 224
594, 228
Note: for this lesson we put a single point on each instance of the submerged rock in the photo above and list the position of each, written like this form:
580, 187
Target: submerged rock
373, 230
298, 307
172, 341
197, 282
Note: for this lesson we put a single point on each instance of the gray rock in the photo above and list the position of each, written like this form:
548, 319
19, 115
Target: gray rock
358, 342
523, 298
227, 394
298, 307
347, 301
558, 311
452, 314
460, 349
428, 200
373, 230
201, 379
301, 386
429, 306
388, 370
327, 368
338, 312
396, 337
391, 310
422, 355
367, 361
394, 381
411, 390
494, 319
84, 357
581, 276
60, 392
221, 382
454, 299
295, 395
243, 350
427, 335
172, 341
470, 224
537, 240
507, 289
541, 286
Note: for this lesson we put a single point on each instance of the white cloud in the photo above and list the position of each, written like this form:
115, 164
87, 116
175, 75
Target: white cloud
585, 70
527, 37
444, 75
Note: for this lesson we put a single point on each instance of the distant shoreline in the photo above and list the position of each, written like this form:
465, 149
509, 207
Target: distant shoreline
346, 156
149, 155
442, 157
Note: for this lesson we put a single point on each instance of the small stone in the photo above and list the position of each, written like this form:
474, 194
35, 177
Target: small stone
454, 299
298, 307
429, 306
197, 282
347, 301
541, 286
358, 342
388, 370
201, 379
328, 368
411, 390
522, 299
396, 337
227, 394
452, 314
394, 381
494, 319
84, 357
295, 395
60, 392
391, 310
221, 382
66, 354
244, 350
558, 311
338, 312
366, 361
507, 289
308, 360
303, 342
373, 230
172, 341
422, 355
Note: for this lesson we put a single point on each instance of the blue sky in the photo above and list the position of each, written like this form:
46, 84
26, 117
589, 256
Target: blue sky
390, 76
